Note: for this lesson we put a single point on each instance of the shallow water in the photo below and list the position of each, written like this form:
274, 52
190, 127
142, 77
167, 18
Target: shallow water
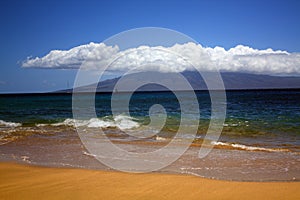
259, 142
58, 148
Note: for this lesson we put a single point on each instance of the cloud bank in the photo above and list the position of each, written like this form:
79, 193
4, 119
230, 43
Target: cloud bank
176, 58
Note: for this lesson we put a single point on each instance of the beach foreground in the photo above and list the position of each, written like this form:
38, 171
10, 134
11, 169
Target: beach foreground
32, 182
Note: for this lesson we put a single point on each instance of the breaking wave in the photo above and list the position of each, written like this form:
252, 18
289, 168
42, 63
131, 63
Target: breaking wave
121, 121
9, 124
248, 148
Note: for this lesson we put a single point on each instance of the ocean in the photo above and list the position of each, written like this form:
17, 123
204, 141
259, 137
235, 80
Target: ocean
260, 140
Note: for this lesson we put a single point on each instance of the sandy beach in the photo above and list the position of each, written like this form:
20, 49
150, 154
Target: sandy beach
150, 100
33, 182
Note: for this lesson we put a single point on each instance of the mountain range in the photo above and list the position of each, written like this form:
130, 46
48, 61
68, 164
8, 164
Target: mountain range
232, 81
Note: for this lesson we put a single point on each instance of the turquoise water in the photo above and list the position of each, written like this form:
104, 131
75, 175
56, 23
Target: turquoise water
260, 138
270, 116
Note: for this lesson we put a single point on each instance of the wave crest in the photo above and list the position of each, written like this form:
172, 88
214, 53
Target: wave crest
248, 148
9, 124
120, 121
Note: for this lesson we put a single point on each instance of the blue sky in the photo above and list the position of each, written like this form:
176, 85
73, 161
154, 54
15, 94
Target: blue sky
33, 28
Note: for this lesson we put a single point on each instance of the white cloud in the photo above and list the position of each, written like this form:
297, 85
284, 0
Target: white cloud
73, 58
171, 59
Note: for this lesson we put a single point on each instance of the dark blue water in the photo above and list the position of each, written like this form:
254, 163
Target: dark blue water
269, 115
260, 139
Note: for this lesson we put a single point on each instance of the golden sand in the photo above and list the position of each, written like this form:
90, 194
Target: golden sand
31, 182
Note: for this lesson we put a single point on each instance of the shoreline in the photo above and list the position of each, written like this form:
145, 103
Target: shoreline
21, 181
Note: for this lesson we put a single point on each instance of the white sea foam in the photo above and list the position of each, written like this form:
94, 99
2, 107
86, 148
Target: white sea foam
26, 159
97, 123
160, 138
121, 121
248, 148
89, 154
125, 122
233, 125
9, 124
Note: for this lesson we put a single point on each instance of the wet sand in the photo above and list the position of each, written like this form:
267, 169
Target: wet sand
32, 182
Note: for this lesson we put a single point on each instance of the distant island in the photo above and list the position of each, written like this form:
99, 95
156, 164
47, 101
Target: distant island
232, 81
